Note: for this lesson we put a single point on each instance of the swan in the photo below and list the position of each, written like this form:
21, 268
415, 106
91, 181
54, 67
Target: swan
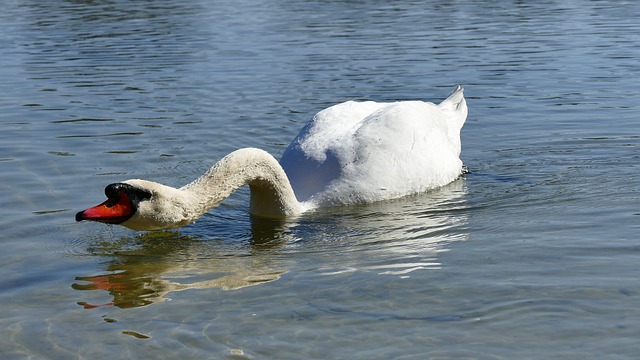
350, 153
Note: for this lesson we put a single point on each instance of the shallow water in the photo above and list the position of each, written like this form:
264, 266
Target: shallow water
532, 254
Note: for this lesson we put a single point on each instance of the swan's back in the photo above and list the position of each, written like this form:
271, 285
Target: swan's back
360, 152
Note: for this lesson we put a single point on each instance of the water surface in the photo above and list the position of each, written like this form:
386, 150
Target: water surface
532, 255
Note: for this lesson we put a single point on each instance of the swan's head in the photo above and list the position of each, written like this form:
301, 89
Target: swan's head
141, 205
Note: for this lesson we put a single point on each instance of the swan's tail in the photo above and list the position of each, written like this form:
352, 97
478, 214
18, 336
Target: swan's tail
455, 101
455, 107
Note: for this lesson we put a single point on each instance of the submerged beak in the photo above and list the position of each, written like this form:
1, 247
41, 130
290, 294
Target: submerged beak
117, 209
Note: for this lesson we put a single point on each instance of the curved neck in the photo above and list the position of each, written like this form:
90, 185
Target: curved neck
271, 192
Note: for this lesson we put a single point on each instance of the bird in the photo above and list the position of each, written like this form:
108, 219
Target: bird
355, 152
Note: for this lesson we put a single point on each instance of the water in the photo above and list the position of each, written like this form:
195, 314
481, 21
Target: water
532, 255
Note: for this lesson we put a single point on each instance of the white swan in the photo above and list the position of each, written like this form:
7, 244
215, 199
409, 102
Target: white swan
353, 152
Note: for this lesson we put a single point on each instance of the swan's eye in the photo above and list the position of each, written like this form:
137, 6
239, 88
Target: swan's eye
141, 194
116, 191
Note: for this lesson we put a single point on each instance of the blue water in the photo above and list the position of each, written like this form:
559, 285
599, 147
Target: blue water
533, 254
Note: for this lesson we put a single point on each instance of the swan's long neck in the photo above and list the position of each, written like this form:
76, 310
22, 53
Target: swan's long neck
271, 192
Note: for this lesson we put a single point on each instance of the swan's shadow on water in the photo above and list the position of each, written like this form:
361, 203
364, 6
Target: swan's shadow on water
228, 250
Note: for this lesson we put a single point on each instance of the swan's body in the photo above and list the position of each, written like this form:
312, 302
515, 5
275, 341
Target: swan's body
353, 152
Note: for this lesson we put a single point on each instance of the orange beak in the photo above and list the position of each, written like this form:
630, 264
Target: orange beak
115, 210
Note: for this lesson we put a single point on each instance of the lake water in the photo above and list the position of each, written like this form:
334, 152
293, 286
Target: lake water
534, 254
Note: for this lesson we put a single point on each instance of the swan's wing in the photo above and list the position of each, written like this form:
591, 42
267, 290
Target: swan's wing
329, 125
309, 161
400, 149
358, 152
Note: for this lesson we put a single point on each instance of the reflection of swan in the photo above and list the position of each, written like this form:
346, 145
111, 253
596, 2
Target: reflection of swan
393, 237
354, 152
130, 291
146, 269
